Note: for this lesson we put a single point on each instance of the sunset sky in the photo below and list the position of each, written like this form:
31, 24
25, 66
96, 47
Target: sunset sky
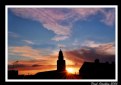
35, 36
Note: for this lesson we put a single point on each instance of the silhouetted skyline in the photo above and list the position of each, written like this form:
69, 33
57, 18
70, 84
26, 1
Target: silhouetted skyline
89, 70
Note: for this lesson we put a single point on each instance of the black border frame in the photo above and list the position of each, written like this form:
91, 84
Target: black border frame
3, 3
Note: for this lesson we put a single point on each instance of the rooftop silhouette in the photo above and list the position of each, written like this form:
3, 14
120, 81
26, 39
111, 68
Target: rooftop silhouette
97, 70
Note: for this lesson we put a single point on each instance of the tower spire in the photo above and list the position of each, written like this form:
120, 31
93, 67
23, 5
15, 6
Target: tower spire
60, 57
61, 62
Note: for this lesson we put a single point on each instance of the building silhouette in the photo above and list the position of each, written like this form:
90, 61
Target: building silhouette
60, 73
89, 70
61, 64
97, 70
12, 74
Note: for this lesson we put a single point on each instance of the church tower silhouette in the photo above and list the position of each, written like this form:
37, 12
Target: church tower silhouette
61, 62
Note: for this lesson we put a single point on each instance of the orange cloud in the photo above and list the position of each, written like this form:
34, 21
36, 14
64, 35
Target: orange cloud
36, 55
25, 51
74, 58
39, 63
